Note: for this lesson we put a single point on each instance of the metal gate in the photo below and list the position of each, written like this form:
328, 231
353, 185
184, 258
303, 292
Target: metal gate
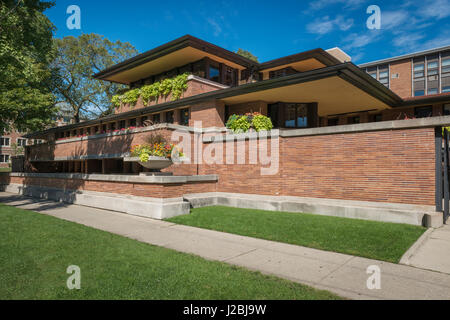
442, 171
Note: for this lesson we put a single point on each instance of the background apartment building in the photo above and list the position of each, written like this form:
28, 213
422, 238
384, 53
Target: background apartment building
418, 74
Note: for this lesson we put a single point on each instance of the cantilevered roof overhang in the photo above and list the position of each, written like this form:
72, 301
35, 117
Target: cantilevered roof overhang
187, 49
337, 89
176, 53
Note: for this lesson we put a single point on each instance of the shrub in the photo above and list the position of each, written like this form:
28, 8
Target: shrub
261, 123
241, 124
250, 120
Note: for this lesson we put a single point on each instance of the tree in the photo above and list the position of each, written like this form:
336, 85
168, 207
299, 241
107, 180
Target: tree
247, 54
26, 103
77, 59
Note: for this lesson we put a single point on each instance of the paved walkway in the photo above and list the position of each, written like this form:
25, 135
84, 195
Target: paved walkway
432, 251
342, 274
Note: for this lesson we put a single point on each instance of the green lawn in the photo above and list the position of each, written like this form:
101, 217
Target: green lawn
370, 239
35, 251
5, 169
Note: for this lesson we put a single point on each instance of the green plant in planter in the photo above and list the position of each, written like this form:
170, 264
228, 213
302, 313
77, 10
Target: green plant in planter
175, 86
261, 123
241, 124
231, 120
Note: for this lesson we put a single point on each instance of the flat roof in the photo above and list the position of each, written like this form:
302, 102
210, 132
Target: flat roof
405, 56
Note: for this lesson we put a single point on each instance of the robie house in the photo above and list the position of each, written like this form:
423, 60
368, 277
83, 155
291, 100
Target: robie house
346, 144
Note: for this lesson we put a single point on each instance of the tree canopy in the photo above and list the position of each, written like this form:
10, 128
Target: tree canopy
77, 59
247, 54
26, 103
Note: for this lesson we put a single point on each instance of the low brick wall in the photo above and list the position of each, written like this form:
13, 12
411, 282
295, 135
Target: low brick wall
153, 190
378, 164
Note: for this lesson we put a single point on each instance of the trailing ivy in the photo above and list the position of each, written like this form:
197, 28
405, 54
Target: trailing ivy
175, 86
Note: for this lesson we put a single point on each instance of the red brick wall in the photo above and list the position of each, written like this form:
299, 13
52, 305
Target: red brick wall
401, 85
386, 166
135, 189
210, 113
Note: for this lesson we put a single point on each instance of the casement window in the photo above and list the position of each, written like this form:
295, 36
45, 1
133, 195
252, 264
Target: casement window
377, 117
446, 109
445, 72
4, 142
4, 158
282, 72
104, 128
133, 122
156, 118
184, 117
383, 75
112, 126
423, 112
433, 74
169, 116
296, 115
143, 119
380, 73
333, 122
372, 71
419, 77
214, 73
354, 120
122, 124
21, 142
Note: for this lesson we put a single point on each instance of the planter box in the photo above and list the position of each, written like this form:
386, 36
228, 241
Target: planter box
154, 163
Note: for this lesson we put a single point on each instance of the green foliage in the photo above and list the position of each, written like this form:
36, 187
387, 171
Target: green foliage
16, 149
175, 86
231, 120
243, 123
131, 96
26, 103
262, 123
77, 59
247, 54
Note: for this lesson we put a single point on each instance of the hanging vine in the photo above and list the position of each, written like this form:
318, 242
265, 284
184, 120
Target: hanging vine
174, 86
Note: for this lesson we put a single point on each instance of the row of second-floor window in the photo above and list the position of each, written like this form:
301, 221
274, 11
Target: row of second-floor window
4, 158
430, 76
144, 121
21, 142
205, 68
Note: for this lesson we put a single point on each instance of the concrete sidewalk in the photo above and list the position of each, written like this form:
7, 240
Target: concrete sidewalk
432, 251
342, 274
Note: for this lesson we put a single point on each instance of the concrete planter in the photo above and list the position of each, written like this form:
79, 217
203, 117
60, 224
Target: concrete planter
153, 163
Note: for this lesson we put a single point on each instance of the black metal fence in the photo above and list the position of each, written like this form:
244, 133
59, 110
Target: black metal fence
442, 139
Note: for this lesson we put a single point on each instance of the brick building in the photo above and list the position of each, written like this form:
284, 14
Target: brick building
343, 135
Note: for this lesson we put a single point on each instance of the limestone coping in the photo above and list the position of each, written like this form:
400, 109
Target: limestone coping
121, 177
442, 121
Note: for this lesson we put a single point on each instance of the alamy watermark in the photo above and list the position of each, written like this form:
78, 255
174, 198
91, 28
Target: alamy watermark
74, 20
374, 280
256, 148
74, 281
